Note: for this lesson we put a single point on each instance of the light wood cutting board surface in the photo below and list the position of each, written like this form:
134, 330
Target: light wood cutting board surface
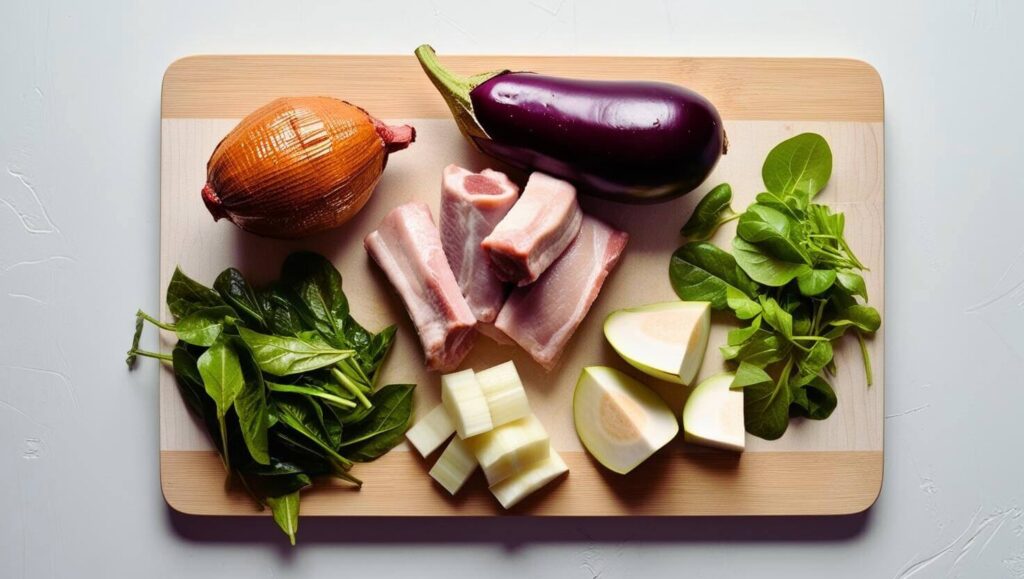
828, 467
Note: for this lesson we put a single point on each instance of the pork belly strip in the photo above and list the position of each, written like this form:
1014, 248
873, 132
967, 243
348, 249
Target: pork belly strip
407, 246
542, 317
535, 232
471, 205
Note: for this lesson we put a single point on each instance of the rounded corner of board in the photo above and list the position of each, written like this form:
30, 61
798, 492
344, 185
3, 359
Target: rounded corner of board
170, 490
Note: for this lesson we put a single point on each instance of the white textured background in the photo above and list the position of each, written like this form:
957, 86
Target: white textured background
79, 153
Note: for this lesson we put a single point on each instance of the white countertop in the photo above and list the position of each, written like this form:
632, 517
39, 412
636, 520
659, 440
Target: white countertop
79, 144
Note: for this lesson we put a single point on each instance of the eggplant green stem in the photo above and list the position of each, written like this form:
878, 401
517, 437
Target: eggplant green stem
456, 91
351, 387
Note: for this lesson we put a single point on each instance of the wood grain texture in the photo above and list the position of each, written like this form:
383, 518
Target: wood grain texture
824, 89
671, 483
838, 461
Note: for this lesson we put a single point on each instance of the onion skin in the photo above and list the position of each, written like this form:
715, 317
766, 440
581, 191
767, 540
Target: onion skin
299, 165
627, 141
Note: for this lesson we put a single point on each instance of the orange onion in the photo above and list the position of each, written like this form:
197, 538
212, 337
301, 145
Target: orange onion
299, 165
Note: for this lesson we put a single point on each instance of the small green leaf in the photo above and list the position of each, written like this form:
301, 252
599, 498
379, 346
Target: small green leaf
764, 268
237, 292
709, 214
286, 513
863, 317
777, 318
765, 402
316, 286
741, 305
816, 281
815, 360
384, 427
298, 414
185, 295
739, 336
816, 399
802, 164
203, 326
284, 356
222, 378
773, 231
762, 349
853, 283
251, 405
700, 271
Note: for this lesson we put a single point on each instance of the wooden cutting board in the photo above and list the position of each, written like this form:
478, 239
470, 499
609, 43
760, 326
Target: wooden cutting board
828, 467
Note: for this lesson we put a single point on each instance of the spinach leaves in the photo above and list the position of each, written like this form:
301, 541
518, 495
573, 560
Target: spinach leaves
791, 277
283, 378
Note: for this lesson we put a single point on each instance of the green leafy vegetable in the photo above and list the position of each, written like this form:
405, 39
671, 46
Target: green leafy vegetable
793, 275
384, 426
222, 378
710, 213
204, 325
185, 295
283, 378
236, 291
284, 356
286, 513
701, 272
800, 165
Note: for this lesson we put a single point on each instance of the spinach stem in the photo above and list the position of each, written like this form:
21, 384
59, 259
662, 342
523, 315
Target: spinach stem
351, 387
224, 443
348, 364
154, 321
867, 357
148, 354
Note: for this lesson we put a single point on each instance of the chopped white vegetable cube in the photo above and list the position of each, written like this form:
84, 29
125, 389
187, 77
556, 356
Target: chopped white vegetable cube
431, 431
521, 485
454, 466
504, 392
465, 402
511, 448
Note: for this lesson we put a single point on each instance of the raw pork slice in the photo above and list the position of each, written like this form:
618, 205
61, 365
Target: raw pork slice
471, 205
407, 246
542, 317
536, 231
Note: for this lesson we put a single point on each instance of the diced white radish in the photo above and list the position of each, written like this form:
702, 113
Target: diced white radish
713, 415
620, 421
506, 397
665, 340
465, 402
454, 467
431, 431
509, 449
524, 483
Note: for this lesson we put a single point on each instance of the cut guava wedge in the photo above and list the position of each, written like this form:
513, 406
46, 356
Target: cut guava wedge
526, 482
620, 421
713, 415
665, 340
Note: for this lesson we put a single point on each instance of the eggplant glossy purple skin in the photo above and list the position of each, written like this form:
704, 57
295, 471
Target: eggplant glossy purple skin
637, 142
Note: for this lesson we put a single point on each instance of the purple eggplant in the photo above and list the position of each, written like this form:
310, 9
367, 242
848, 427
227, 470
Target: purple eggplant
635, 142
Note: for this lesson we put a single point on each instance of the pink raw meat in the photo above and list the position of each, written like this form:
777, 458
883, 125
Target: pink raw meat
536, 231
407, 247
543, 317
471, 205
